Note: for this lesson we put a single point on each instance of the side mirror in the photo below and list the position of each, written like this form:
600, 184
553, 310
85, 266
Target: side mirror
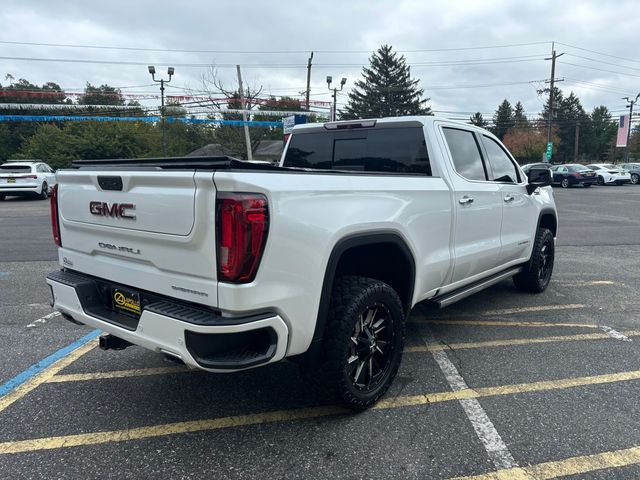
538, 177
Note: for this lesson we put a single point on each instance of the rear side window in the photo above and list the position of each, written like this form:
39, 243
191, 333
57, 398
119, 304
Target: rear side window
391, 150
502, 168
465, 153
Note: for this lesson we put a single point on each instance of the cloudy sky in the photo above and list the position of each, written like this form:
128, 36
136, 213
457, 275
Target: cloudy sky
272, 41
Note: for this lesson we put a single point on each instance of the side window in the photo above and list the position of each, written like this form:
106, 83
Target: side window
503, 169
465, 153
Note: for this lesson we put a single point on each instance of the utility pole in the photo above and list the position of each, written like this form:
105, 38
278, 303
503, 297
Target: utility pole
551, 92
630, 104
335, 94
309, 80
247, 138
170, 72
575, 144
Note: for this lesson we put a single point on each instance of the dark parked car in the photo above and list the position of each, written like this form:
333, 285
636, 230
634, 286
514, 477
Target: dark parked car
573, 174
634, 170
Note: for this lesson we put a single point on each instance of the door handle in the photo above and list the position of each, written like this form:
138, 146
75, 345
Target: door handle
465, 200
509, 198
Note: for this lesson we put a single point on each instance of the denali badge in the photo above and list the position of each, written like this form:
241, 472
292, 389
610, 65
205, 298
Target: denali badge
117, 210
111, 246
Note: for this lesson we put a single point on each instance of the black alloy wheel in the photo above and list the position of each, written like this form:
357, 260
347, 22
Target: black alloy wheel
371, 347
44, 193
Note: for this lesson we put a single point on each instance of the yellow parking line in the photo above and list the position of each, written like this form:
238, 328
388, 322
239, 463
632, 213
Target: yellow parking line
140, 372
569, 466
499, 323
300, 414
45, 375
514, 341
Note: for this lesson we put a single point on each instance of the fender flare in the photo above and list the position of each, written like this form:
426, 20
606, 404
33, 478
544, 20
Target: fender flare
344, 244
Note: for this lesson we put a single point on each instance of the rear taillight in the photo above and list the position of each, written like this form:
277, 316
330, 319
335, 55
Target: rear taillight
30, 176
243, 224
577, 174
55, 222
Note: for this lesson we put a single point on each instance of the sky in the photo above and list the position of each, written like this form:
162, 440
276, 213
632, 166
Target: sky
442, 41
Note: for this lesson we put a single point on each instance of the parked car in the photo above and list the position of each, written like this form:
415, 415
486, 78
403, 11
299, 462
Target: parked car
609, 174
26, 178
529, 166
634, 171
573, 174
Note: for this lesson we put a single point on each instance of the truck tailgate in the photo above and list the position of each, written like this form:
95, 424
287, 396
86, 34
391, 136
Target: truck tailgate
151, 230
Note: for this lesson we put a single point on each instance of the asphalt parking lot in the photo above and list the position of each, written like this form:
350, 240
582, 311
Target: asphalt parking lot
500, 385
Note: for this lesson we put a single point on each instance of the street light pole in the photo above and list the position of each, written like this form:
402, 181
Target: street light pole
335, 94
170, 72
630, 106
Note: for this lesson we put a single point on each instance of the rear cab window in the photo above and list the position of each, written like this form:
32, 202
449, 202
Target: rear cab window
382, 149
15, 169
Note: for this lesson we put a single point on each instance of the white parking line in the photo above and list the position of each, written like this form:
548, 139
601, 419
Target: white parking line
614, 333
496, 449
43, 320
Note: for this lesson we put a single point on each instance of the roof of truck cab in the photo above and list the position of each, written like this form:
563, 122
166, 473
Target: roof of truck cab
421, 119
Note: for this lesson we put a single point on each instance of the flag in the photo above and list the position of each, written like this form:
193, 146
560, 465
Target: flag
623, 129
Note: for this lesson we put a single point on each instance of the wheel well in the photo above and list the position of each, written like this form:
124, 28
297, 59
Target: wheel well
549, 221
380, 255
386, 262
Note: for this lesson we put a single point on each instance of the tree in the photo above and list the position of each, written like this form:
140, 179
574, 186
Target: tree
503, 119
527, 145
386, 90
478, 120
519, 117
603, 133
102, 95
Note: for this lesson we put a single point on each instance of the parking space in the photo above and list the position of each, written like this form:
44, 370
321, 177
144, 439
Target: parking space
500, 385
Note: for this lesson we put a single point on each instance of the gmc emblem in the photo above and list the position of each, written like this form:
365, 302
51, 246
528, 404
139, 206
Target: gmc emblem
117, 210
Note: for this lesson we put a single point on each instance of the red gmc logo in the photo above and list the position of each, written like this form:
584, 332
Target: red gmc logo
116, 210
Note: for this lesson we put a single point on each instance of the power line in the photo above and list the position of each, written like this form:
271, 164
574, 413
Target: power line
272, 65
181, 50
603, 62
598, 53
599, 69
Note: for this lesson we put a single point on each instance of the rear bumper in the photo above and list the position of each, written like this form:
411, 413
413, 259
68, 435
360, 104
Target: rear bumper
200, 338
16, 189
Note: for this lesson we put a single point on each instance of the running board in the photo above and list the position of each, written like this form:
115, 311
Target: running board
452, 297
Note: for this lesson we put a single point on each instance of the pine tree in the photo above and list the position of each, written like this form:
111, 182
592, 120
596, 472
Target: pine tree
519, 117
478, 120
387, 89
503, 119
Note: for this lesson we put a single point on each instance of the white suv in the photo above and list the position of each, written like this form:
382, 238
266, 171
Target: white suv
29, 177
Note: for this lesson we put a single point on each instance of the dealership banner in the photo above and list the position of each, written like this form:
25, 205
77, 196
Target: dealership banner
623, 129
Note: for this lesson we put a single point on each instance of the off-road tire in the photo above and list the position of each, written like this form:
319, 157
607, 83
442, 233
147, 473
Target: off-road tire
352, 299
536, 273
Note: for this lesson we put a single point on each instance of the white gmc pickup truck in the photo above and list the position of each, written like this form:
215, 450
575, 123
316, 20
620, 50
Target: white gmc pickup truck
228, 265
